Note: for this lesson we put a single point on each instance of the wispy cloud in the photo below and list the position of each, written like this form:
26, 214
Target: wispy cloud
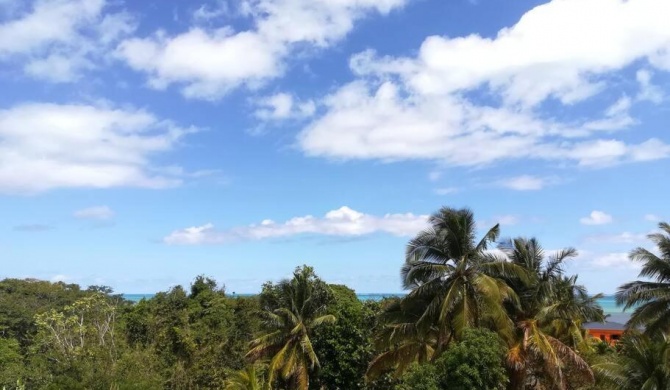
652, 218
525, 183
34, 227
98, 213
343, 222
447, 190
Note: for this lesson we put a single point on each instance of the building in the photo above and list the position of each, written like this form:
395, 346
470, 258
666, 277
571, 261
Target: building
609, 332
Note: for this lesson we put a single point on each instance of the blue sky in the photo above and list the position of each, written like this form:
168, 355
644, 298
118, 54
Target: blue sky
143, 143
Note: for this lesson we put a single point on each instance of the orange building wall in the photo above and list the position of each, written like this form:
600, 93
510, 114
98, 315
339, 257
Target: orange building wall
608, 336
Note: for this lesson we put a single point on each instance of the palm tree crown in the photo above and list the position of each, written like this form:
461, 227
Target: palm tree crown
652, 298
455, 284
549, 314
293, 309
461, 281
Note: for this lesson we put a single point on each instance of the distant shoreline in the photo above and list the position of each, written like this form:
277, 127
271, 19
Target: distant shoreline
608, 303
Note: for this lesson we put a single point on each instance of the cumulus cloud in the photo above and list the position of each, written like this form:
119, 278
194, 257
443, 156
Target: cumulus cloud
99, 213
57, 40
596, 218
343, 222
208, 62
283, 106
425, 106
45, 146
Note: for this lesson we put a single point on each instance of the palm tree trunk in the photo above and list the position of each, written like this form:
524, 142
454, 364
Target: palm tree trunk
517, 379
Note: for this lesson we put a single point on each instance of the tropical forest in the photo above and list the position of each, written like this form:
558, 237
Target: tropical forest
480, 312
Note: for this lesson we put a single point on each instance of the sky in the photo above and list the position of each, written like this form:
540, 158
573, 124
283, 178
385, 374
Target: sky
143, 143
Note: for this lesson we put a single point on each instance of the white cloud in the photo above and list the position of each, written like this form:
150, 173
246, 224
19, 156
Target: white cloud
206, 12
507, 219
614, 260
282, 106
208, 62
648, 91
60, 278
447, 190
524, 183
57, 40
538, 58
434, 175
652, 218
619, 238
343, 222
100, 213
596, 218
45, 146
404, 108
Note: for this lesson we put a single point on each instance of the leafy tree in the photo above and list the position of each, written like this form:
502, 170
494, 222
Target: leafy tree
420, 377
193, 335
643, 363
76, 347
293, 310
12, 368
343, 348
475, 362
21, 300
651, 297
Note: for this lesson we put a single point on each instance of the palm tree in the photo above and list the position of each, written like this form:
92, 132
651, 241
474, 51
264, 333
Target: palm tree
402, 341
651, 297
644, 363
458, 279
294, 308
572, 306
550, 306
247, 379
455, 283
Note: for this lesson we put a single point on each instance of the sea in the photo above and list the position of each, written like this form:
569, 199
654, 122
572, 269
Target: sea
608, 303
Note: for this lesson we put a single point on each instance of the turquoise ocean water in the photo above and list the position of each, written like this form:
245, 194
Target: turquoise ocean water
607, 303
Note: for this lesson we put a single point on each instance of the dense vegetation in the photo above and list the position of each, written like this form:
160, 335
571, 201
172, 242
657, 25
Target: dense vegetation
474, 318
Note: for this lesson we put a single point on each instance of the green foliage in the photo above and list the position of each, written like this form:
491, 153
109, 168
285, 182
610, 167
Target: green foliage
21, 300
343, 348
652, 298
472, 320
420, 377
475, 362
643, 363
250, 378
196, 337
547, 317
12, 368
294, 309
